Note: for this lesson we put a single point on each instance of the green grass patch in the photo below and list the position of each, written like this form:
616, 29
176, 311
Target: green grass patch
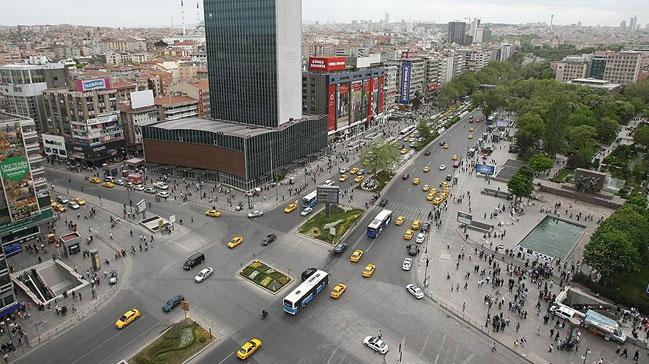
422, 144
175, 346
629, 292
562, 175
265, 276
345, 219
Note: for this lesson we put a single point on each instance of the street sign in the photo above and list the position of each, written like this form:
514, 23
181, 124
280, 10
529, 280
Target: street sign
328, 194
140, 206
464, 218
172, 219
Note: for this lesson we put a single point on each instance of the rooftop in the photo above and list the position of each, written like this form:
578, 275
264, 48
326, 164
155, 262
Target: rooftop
174, 100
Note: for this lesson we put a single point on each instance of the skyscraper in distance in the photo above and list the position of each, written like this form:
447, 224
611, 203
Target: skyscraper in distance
456, 32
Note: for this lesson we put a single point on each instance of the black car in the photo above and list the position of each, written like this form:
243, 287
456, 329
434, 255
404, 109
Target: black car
427, 153
425, 227
268, 239
413, 249
405, 176
383, 203
339, 248
449, 177
172, 303
441, 143
307, 273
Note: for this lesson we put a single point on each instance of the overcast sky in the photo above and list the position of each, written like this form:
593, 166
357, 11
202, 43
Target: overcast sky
131, 13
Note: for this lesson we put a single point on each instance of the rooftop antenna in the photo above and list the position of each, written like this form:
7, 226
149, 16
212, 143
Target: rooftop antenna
198, 14
182, 16
551, 20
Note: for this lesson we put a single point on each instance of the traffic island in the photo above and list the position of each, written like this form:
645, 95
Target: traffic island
175, 345
333, 227
265, 276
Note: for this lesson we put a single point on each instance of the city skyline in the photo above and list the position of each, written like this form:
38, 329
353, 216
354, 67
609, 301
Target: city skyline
589, 13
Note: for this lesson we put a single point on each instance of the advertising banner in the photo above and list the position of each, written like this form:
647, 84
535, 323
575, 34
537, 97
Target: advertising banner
357, 100
485, 169
331, 107
381, 94
17, 182
375, 97
343, 105
365, 104
326, 64
404, 90
54, 145
464, 218
95, 84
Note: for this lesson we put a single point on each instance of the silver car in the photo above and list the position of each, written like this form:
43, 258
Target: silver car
203, 274
415, 291
407, 264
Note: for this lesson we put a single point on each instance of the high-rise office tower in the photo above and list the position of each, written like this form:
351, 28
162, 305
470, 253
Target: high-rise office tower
387, 19
254, 60
633, 22
623, 25
456, 32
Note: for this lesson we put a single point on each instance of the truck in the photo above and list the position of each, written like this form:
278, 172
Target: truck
599, 324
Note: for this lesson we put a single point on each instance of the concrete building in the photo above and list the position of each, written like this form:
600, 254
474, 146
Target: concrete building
390, 88
571, 68
141, 111
25, 206
505, 51
622, 67
597, 84
474, 59
22, 86
176, 107
597, 66
411, 79
88, 118
456, 32
199, 91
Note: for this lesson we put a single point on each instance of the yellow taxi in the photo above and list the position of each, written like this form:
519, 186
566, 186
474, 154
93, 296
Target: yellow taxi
426, 169
443, 195
79, 201
248, 348
58, 207
445, 146
430, 196
415, 225
343, 177
359, 179
127, 318
213, 213
353, 170
338, 291
369, 270
356, 256
290, 208
416, 181
403, 151
425, 188
444, 184
455, 157
399, 221
471, 130
235, 242
433, 190
408, 234
437, 200
95, 180
470, 136
108, 184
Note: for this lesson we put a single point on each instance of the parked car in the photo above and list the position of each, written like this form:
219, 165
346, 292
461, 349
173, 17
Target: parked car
413, 249
138, 187
163, 194
420, 238
376, 344
339, 248
150, 190
415, 291
407, 264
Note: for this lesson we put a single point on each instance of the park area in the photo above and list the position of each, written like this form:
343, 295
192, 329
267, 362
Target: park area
265, 276
331, 228
175, 345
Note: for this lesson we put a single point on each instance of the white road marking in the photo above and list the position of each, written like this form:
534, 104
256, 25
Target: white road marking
441, 345
226, 358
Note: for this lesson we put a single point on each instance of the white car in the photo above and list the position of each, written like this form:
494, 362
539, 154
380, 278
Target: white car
376, 344
255, 213
73, 205
343, 170
328, 182
138, 187
306, 211
407, 264
160, 185
150, 190
420, 238
415, 291
163, 194
121, 182
442, 167
203, 275
62, 199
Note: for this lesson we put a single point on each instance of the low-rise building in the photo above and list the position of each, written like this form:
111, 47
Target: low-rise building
199, 90
176, 107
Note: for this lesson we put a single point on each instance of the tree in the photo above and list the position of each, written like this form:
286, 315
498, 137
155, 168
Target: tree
641, 136
540, 162
424, 130
522, 183
607, 130
379, 155
582, 139
555, 121
612, 254
530, 128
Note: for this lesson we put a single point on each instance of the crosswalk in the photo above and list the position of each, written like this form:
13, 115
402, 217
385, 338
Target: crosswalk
410, 211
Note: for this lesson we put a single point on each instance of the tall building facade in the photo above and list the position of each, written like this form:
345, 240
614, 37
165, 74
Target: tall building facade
622, 67
254, 60
597, 66
571, 68
456, 32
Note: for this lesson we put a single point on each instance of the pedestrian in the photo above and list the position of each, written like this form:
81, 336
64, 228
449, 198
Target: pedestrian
636, 356
493, 347
624, 353
618, 348
80, 299
550, 348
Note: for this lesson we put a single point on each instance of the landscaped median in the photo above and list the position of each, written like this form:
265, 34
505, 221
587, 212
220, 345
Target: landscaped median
331, 229
175, 345
265, 276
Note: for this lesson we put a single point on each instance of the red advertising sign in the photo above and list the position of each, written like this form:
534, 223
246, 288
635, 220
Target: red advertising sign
331, 107
433, 86
381, 94
370, 101
326, 64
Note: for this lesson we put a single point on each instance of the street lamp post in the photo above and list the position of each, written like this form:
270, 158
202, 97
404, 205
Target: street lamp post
585, 356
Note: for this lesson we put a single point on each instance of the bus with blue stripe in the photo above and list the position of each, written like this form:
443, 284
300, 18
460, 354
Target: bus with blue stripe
310, 200
300, 297
380, 222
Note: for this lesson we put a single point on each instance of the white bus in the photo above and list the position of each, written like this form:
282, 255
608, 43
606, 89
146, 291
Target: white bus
407, 130
305, 292
310, 200
380, 222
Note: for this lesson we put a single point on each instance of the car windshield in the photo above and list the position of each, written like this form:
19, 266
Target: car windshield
123, 318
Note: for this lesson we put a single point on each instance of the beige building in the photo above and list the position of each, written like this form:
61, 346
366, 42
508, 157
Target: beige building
571, 68
623, 67
196, 90
176, 107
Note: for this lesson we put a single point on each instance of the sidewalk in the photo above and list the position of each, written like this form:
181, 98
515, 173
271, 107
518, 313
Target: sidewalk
456, 284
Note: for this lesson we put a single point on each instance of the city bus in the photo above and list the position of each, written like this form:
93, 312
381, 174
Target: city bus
407, 130
301, 296
310, 200
380, 222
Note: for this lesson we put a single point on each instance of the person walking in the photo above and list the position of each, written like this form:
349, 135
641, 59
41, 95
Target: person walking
624, 353
636, 356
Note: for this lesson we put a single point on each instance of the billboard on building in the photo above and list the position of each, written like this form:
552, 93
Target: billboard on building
144, 98
331, 106
16, 175
357, 101
487, 169
327, 64
54, 145
404, 90
363, 62
367, 94
381, 94
94, 84
343, 105
374, 104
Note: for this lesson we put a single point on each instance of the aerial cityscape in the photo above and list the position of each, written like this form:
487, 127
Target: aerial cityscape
288, 181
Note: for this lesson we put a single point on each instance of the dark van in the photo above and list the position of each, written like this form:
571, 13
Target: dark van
193, 261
